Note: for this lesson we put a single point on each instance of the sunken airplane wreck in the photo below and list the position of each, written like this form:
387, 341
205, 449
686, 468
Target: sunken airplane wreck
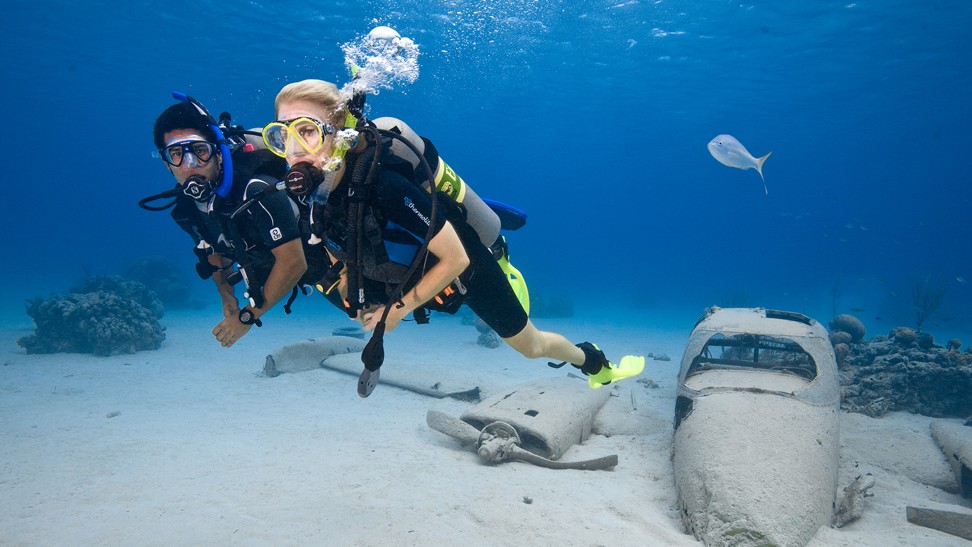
756, 442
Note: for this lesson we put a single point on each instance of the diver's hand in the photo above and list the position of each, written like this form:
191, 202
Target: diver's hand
370, 318
229, 330
364, 315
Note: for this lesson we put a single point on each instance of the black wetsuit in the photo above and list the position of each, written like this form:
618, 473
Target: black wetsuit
402, 211
248, 239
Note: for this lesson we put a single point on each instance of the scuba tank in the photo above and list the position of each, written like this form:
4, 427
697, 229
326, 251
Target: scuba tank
478, 214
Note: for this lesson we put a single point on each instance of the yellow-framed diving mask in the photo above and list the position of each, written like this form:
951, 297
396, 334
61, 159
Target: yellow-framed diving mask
308, 133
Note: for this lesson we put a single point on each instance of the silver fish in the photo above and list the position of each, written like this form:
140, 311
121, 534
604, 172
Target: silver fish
728, 151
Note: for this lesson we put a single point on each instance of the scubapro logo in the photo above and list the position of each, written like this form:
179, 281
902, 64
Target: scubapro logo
411, 205
276, 234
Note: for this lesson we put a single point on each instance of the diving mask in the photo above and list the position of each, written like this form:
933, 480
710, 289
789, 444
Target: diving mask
308, 133
194, 151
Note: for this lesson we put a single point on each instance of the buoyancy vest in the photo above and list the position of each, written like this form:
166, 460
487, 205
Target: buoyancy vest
379, 238
387, 250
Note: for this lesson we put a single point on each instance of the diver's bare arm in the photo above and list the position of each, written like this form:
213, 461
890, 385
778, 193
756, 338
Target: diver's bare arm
288, 266
453, 260
231, 307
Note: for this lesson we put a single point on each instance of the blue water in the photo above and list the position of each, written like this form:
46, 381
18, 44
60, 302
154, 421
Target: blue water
592, 116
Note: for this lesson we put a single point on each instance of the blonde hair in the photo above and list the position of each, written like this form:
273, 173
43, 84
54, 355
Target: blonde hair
319, 92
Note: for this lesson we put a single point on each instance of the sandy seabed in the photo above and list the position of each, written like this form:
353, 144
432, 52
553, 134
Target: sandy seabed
193, 445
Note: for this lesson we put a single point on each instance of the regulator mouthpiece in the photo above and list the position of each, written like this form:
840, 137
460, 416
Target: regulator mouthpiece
303, 178
199, 188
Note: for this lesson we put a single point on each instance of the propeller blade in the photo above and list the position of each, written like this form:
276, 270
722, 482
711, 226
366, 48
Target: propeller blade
604, 463
453, 427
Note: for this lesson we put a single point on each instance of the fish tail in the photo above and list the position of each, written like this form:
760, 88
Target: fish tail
759, 169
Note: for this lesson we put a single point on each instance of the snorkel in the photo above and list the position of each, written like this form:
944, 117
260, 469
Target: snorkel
226, 184
356, 103
346, 138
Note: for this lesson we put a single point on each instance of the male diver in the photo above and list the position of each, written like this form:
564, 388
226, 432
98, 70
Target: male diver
225, 199
396, 248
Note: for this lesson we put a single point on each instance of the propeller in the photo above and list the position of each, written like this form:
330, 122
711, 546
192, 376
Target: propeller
495, 448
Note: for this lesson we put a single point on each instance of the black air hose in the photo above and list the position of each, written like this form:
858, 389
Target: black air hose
362, 173
373, 354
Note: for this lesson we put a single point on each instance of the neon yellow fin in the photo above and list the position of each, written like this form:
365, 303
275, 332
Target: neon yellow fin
517, 283
631, 365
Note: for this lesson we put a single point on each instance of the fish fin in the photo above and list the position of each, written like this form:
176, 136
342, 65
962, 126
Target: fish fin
759, 169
